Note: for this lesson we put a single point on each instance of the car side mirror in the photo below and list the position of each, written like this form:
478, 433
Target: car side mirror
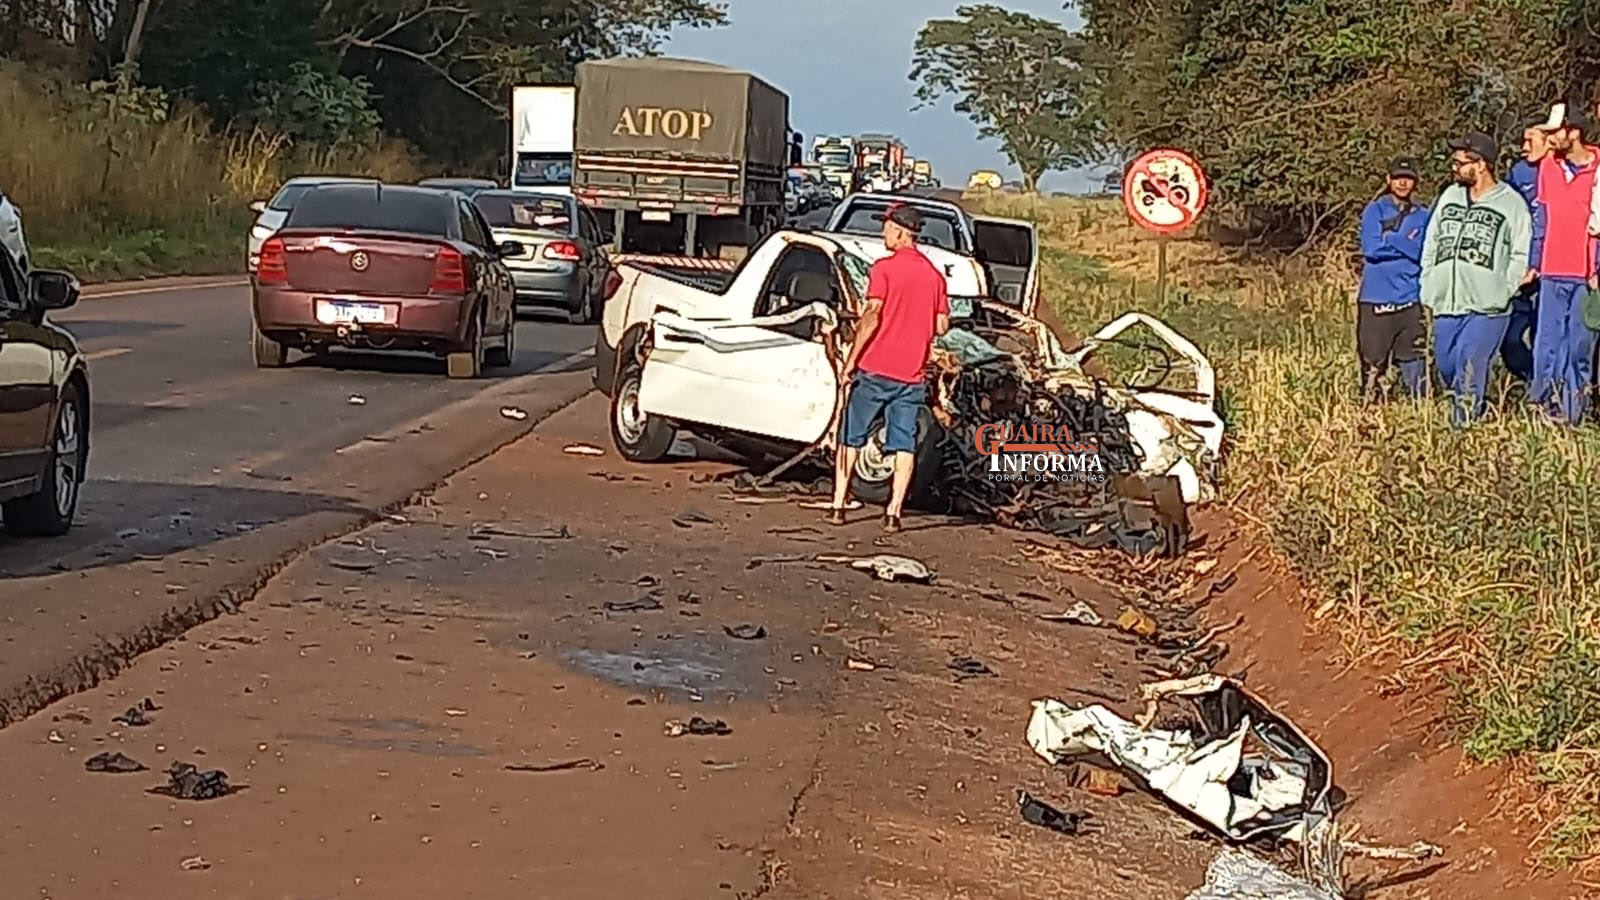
511, 249
49, 289
258, 206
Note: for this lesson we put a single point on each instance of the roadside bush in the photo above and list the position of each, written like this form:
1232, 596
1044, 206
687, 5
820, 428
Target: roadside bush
130, 184
1473, 556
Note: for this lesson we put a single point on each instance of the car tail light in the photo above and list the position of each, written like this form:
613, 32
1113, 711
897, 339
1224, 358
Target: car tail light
566, 251
271, 267
613, 284
449, 272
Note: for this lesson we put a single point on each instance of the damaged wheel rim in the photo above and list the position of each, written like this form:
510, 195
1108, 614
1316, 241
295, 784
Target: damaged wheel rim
630, 419
873, 464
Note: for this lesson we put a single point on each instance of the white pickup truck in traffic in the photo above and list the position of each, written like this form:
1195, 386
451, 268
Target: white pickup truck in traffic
1007, 248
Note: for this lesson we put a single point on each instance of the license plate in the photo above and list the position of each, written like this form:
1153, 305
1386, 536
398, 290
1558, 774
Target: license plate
655, 215
341, 312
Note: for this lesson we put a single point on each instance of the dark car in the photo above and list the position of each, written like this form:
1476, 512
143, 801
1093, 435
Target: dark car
44, 403
468, 186
385, 267
564, 263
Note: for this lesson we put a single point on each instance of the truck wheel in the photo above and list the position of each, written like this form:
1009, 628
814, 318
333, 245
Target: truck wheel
638, 436
873, 478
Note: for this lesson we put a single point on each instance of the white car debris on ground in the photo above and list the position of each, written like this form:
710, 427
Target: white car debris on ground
1243, 769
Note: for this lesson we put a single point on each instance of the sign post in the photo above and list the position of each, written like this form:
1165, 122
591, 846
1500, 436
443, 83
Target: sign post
1164, 191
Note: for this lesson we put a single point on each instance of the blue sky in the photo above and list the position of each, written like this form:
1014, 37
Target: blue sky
844, 64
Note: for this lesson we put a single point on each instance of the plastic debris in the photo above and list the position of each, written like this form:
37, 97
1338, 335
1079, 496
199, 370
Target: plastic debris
1135, 622
1037, 812
513, 413
860, 665
746, 632
1237, 875
970, 667
116, 763
194, 864
582, 450
691, 517
136, 717
585, 763
188, 782
1279, 788
357, 400
1079, 613
885, 567
643, 604
698, 726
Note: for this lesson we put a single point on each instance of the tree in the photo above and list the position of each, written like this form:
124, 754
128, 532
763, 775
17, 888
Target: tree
1020, 78
1295, 108
482, 47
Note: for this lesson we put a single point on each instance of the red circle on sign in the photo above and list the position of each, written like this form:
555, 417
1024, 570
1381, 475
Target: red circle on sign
1144, 185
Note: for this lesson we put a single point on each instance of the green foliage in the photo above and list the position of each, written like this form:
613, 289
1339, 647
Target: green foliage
317, 106
413, 61
1019, 77
1295, 107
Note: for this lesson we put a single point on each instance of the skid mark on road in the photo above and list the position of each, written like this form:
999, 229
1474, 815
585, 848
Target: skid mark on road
107, 353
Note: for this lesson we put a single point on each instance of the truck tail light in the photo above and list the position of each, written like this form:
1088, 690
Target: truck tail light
449, 272
271, 265
566, 251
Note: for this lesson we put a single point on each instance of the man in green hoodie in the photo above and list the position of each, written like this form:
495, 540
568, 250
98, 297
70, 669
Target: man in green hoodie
1474, 257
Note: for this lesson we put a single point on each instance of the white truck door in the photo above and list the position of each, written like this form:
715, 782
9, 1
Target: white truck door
1010, 248
767, 375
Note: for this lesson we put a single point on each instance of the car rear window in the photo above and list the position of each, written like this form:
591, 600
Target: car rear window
937, 231
526, 211
374, 209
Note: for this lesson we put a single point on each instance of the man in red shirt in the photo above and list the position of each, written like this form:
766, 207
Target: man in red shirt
907, 307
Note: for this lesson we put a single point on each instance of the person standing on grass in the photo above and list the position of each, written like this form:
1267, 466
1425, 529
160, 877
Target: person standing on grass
1516, 351
907, 307
1474, 257
1388, 316
1563, 254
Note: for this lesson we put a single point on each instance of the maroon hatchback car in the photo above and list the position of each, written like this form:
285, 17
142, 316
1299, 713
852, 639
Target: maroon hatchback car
385, 267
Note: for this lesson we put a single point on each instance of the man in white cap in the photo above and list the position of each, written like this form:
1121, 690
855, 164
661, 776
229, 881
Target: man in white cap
1563, 258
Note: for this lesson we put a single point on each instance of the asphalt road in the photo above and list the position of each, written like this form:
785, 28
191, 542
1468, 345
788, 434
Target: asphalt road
207, 474
186, 429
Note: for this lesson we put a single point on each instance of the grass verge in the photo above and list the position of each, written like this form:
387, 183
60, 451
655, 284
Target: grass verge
1472, 556
124, 185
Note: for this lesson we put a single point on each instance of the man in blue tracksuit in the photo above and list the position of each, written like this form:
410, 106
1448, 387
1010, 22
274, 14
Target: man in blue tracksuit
1388, 316
1517, 349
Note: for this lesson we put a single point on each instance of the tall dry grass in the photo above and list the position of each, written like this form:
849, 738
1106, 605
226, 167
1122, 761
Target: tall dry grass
1470, 556
128, 192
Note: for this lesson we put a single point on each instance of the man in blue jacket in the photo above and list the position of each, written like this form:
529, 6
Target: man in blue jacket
1517, 349
1388, 317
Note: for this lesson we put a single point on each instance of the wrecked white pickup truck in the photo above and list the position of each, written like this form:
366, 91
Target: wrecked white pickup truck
751, 366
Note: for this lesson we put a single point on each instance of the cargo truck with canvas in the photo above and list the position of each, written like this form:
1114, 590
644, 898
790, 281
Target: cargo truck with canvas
542, 118
681, 156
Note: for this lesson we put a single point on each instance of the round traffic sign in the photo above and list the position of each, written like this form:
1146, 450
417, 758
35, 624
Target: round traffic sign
1164, 190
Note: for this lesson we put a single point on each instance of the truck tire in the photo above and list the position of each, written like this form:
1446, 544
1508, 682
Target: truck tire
639, 437
872, 481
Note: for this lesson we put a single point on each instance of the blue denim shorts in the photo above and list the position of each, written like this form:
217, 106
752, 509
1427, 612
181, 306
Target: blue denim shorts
897, 403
